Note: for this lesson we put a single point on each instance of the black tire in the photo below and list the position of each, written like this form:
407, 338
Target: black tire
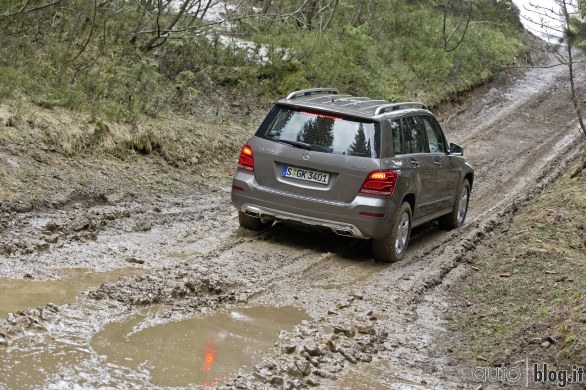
392, 247
457, 217
251, 223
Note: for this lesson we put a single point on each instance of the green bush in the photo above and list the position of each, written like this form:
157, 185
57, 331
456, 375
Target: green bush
71, 57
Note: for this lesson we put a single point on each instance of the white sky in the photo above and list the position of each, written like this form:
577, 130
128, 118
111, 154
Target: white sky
534, 19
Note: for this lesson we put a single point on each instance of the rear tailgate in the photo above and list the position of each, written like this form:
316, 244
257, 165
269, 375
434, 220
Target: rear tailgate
314, 154
313, 174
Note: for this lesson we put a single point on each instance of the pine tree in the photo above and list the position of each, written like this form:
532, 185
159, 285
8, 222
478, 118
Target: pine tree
318, 132
359, 147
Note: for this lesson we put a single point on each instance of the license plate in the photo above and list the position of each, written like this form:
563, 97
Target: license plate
305, 174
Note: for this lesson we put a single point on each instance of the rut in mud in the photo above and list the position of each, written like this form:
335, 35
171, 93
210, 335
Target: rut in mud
154, 265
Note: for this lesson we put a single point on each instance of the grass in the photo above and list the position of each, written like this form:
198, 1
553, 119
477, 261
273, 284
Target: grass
530, 283
395, 54
46, 154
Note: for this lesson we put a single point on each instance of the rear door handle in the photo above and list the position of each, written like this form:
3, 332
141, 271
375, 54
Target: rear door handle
437, 163
415, 163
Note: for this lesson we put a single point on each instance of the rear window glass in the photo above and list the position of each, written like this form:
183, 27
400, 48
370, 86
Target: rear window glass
322, 132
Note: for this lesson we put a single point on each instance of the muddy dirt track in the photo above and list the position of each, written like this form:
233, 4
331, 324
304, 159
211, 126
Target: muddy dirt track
125, 291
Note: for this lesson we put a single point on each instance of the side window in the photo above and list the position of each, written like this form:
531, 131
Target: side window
414, 138
397, 136
434, 135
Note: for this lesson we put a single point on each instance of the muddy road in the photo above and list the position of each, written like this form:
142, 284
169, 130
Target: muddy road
129, 291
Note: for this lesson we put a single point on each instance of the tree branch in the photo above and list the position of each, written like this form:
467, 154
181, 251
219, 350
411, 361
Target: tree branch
87, 41
447, 40
23, 9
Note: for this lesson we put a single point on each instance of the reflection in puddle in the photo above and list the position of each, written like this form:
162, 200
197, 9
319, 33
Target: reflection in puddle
20, 294
201, 350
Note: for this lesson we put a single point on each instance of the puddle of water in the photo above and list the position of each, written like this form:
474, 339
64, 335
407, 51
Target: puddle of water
19, 294
29, 366
203, 350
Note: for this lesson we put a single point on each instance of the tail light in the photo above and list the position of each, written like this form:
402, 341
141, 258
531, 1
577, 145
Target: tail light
246, 160
380, 183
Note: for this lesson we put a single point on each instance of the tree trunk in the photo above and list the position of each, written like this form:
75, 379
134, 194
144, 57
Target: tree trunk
266, 4
575, 101
310, 13
185, 6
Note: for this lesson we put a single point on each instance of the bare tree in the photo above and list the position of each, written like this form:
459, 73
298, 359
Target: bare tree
570, 64
185, 19
457, 33
556, 23
162, 33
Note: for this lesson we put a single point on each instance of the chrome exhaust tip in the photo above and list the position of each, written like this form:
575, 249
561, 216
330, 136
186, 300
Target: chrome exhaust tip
344, 232
253, 214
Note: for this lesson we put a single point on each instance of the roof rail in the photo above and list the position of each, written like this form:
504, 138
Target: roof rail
397, 106
311, 91
377, 103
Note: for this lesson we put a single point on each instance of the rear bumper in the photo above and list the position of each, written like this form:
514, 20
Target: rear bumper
340, 228
340, 217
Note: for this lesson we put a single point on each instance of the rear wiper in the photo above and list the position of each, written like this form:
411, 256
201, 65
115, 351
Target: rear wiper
297, 144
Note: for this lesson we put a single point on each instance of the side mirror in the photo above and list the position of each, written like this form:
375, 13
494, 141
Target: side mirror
456, 149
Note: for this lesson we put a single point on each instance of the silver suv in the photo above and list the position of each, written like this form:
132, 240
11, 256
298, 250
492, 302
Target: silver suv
359, 167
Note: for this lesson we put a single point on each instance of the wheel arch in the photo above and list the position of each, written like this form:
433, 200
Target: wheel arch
409, 198
470, 177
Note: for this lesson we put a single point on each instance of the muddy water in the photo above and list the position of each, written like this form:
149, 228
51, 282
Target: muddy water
144, 351
197, 351
373, 376
19, 294
31, 365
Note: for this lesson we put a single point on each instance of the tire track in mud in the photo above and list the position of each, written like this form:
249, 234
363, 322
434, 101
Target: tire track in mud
506, 105
105, 237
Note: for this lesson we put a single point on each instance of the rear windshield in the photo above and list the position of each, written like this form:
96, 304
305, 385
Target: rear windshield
322, 132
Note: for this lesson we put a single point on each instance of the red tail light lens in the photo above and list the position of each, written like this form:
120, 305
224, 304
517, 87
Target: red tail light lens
380, 183
246, 160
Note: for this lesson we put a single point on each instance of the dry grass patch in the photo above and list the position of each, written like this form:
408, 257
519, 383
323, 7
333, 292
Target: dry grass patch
525, 297
48, 152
